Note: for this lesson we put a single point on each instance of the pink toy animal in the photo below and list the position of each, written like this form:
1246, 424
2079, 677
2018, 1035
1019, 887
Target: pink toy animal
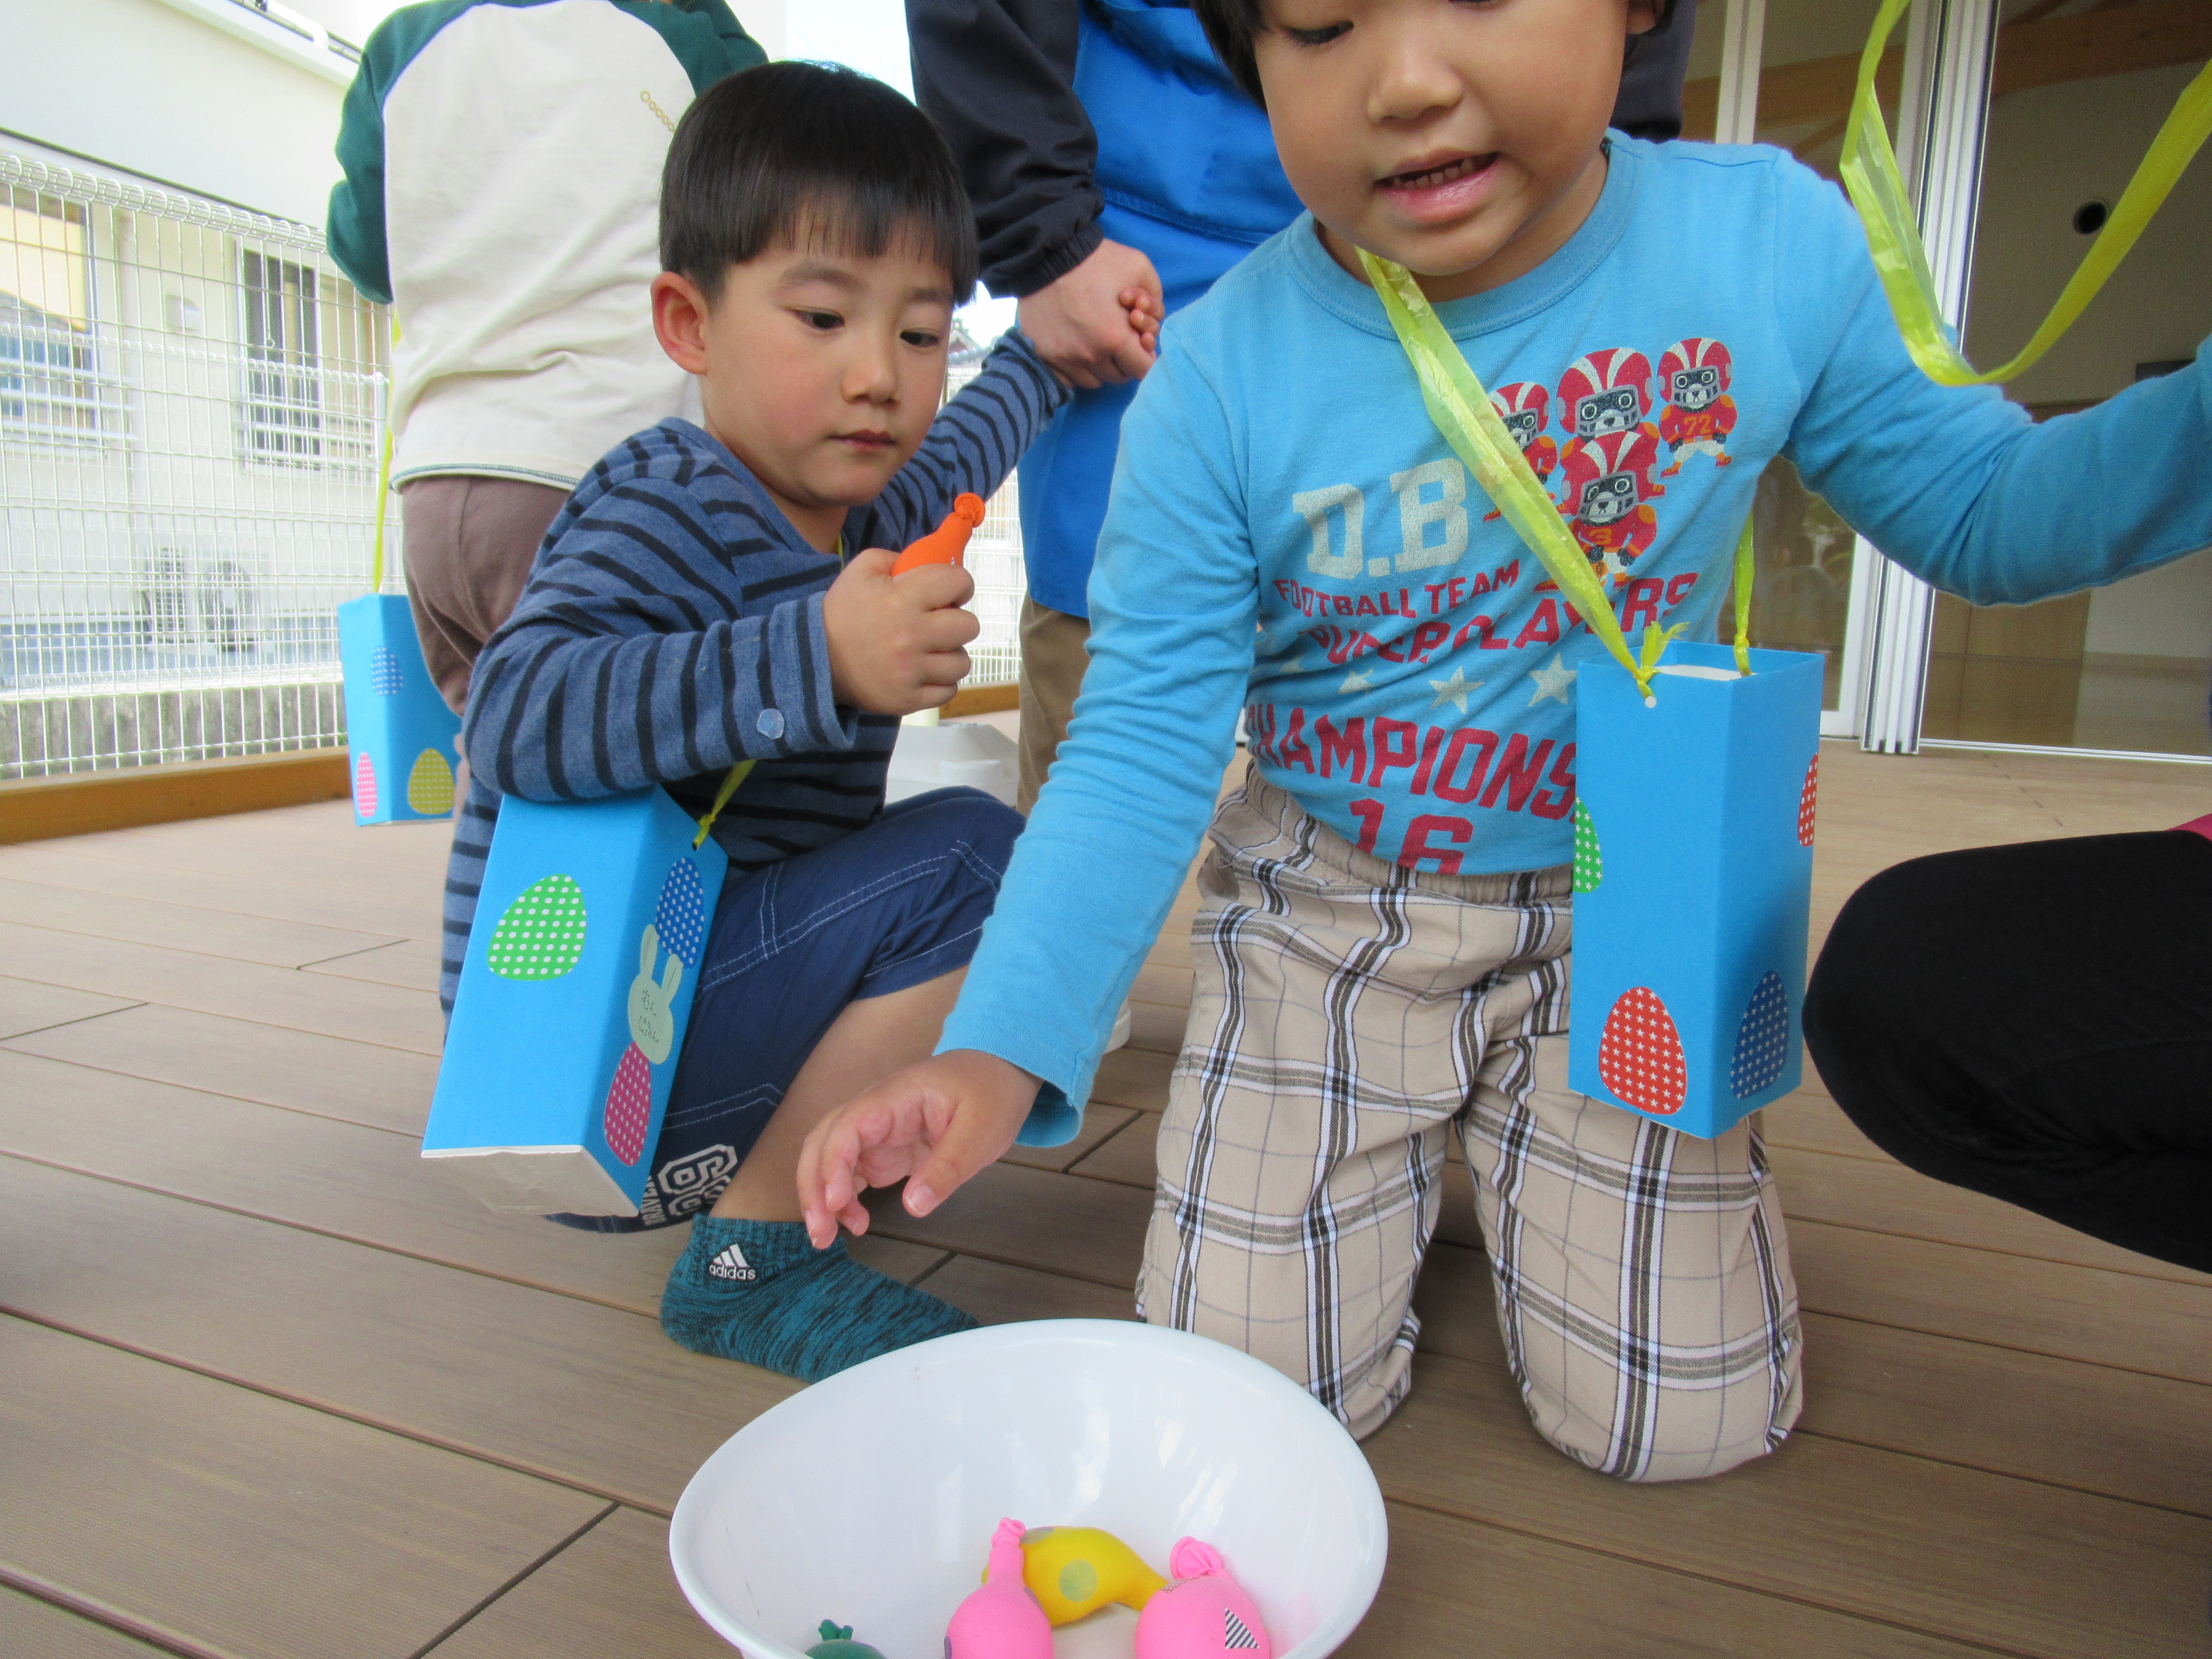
1003, 1619
1203, 1614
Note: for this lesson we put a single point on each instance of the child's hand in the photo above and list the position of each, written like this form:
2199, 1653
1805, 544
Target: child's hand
1146, 313
932, 1125
894, 645
1099, 324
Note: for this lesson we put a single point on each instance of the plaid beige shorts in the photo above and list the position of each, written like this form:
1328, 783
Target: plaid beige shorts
1347, 1015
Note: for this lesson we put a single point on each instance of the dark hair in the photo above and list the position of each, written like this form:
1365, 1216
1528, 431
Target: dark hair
810, 153
1230, 25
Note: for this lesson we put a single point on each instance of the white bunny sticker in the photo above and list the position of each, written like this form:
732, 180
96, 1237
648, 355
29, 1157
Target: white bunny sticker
653, 1005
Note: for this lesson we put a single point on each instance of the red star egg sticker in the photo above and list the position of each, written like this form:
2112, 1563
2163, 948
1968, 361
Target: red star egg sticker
1806, 800
629, 1105
1639, 1055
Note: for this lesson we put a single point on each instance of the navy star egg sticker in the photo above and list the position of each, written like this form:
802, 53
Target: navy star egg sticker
1762, 1039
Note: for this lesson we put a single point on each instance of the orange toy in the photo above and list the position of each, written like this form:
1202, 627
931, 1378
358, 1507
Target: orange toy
945, 544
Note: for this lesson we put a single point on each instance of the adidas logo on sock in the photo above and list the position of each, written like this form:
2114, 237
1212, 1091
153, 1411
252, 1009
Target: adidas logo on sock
1234, 1633
731, 1264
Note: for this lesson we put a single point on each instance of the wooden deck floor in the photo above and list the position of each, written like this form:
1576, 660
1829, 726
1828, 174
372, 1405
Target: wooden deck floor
267, 1387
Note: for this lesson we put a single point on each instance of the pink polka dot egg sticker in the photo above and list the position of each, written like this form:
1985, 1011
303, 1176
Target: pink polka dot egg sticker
1807, 800
1639, 1054
629, 1105
680, 917
364, 786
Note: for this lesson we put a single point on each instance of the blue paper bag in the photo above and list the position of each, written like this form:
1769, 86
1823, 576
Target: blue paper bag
401, 733
572, 1002
1694, 878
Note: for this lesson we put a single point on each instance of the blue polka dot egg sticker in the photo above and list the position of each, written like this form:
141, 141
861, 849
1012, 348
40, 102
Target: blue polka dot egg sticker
541, 936
680, 918
384, 676
1762, 1041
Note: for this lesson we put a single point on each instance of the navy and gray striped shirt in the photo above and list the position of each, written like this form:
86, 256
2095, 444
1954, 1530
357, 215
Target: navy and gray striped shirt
673, 626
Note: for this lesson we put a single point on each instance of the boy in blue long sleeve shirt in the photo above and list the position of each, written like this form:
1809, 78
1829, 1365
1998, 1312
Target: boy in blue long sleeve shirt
1382, 951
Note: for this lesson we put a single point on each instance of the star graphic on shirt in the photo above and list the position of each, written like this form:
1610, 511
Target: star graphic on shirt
1356, 681
1552, 682
1453, 690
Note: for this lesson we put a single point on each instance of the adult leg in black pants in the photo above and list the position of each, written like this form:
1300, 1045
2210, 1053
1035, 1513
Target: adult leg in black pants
2035, 1023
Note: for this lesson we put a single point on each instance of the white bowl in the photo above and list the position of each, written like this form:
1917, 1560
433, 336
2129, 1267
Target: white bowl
870, 1498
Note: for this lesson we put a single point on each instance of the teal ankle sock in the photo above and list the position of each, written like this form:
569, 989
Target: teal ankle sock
759, 1292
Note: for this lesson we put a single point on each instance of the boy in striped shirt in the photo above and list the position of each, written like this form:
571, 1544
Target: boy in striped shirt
720, 593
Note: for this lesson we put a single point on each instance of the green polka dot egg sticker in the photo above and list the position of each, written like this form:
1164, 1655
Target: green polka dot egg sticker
542, 935
1589, 863
430, 785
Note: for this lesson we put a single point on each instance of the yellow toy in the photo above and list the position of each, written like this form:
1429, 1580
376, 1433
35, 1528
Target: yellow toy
1075, 1570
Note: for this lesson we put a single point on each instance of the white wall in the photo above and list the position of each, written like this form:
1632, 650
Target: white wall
2050, 150
174, 98
868, 35
765, 21
2165, 612
155, 91
358, 19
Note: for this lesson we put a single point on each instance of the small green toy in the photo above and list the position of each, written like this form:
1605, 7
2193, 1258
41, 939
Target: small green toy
837, 1643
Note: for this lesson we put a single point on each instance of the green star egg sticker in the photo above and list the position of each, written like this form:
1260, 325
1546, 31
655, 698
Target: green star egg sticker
1589, 863
541, 936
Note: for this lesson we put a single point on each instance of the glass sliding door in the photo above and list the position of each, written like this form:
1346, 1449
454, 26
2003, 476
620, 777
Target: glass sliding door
2078, 89
1815, 586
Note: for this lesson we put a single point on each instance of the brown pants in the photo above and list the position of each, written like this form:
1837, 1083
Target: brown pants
469, 544
1054, 657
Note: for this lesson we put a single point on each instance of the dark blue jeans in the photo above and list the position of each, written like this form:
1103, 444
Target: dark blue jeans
897, 903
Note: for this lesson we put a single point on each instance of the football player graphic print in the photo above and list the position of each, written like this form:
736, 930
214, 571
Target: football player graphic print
1694, 376
1524, 406
1608, 481
1605, 393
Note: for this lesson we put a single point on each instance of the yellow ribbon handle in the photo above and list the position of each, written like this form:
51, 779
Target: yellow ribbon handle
383, 492
737, 775
1462, 410
1746, 573
1870, 174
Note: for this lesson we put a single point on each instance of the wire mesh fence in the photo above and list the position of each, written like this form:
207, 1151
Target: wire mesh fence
190, 425
191, 402
994, 560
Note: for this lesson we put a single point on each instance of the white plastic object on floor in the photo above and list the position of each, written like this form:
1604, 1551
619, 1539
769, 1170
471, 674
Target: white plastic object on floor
870, 1498
939, 757
1121, 1030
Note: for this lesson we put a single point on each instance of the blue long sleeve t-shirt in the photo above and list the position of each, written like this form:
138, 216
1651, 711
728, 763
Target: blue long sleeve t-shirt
673, 627
1290, 534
